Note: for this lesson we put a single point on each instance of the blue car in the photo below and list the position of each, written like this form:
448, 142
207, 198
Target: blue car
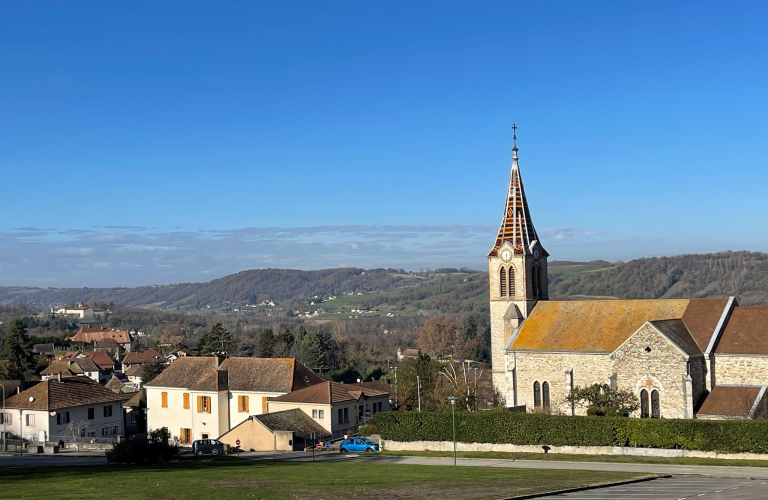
359, 444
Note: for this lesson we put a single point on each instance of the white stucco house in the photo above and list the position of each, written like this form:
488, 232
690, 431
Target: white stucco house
338, 408
50, 410
198, 398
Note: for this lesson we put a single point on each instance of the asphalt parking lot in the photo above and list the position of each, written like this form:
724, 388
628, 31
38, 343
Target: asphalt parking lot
677, 488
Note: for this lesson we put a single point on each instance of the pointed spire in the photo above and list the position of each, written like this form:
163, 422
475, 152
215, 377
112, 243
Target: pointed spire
516, 225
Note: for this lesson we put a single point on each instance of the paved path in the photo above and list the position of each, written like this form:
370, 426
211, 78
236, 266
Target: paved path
677, 488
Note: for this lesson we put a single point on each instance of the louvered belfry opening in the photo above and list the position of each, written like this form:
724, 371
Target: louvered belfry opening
503, 282
511, 281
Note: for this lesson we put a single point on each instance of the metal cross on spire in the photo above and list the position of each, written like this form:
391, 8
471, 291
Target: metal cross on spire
514, 136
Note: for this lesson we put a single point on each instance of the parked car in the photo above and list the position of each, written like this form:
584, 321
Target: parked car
203, 446
359, 444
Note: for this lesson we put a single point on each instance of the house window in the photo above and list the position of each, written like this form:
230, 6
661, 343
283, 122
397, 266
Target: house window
343, 415
132, 418
545, 393
91, 413
379, 405
536, 395
62, 417
186, 401
314, 413
108, 411
30, 420
186, 436
109, 431
164, 399
242, 404
5, 418
318, 414
644, 404
203, 404
655, 405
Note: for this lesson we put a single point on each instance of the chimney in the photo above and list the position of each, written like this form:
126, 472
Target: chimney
59, 376
216, 360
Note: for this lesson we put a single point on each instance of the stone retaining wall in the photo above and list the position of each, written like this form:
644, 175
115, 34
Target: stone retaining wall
574, 450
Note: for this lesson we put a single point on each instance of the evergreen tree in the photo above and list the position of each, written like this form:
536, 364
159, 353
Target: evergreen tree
17, 349
312, 355
218, 340
283, 343
266, 346
298, 339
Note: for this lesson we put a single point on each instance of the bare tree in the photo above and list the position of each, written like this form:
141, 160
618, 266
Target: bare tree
78, 429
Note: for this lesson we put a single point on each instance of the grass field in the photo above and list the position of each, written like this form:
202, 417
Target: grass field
268, 480
563, 457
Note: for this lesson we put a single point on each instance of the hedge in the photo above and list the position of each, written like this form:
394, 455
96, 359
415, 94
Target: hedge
503, 427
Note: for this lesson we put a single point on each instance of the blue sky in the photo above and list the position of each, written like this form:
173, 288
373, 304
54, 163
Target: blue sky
149, 142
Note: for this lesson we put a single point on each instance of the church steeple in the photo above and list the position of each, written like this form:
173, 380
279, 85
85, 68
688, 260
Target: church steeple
516, 224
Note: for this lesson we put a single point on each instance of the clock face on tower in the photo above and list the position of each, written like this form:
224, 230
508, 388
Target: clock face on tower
536, 254
506, 255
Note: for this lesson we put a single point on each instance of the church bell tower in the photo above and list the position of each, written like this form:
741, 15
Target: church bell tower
518, 272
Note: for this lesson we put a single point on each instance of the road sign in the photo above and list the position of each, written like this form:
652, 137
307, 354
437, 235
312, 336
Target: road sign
328, 444
237, 442
319, 446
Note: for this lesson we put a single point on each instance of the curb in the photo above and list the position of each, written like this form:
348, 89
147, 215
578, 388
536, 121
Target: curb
587, 488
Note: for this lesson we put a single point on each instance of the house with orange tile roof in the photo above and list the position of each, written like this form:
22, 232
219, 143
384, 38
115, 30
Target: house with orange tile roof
339, 408
682, 358
55, 408
93, 334
201, 397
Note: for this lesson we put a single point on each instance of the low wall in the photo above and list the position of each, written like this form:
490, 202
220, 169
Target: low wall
88, 446
573, 450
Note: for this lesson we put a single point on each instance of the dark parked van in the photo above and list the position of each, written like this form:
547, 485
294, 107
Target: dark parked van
203, 446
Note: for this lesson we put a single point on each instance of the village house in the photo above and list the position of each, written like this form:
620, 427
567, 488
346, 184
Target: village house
141, 358
80, 311
73, 367
682, 358
65, 409
93, 334
289, 430
198, 398
337, 408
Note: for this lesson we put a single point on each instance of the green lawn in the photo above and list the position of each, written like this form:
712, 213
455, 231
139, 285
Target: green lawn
243, 479
562, 457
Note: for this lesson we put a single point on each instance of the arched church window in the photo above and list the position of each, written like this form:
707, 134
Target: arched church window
511, 281
545, 393
644, 404
503, 282
655, 406
535, 280
536, 395
542, 279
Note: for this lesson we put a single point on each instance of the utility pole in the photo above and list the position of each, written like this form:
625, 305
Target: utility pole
5, 446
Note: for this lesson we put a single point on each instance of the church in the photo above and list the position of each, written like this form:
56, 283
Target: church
682, 358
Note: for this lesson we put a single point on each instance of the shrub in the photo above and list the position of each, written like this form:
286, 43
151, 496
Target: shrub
154, 448
504, 427
367, 429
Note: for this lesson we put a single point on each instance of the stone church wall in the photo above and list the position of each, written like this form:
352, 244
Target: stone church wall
556, 368
662, 369
741, 370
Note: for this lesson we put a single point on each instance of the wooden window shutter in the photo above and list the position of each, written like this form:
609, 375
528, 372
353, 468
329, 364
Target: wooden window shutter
164, 397
181, 435
245, 404
264, 404
186, 401
199, 404
240, 404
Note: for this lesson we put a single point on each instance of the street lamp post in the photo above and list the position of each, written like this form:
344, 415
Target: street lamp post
453, 399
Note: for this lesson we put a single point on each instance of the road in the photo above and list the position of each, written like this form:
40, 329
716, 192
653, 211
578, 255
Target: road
676, 488
701, 482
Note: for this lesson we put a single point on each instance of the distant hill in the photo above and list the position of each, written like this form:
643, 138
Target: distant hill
744, 274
